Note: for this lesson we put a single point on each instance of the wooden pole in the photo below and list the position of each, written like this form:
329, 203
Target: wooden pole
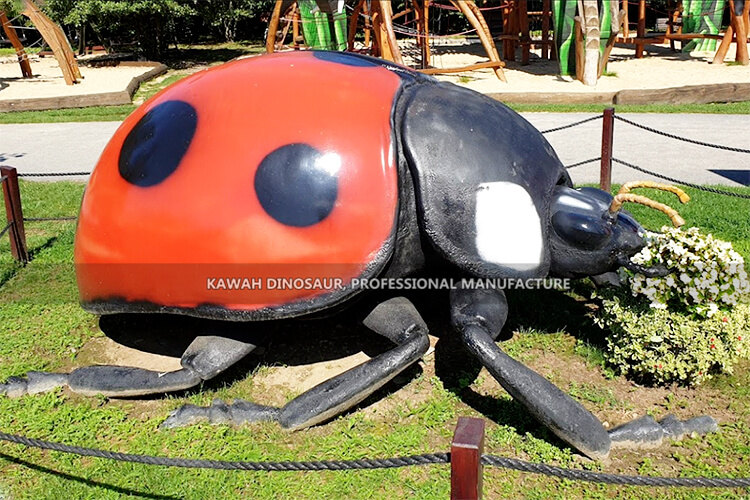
741, 26
273, 27
578, 27
610, 43
466, 459
10, 32
14, 213
546, 7
641, 34
523, 20
388, 35
608, 132
353, 23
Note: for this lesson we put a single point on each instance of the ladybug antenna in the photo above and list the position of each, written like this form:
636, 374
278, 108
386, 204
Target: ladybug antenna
625, 195
684, 198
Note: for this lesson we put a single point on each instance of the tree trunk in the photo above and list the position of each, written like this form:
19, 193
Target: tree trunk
592, 33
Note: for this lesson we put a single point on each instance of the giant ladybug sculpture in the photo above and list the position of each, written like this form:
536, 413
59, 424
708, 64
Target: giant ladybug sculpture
322, 166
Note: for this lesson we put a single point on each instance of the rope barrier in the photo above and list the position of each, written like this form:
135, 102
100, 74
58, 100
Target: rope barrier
194, 463
684, 139
6, 229
47, 219
383, 463
600, 477
677, 181
575, 124
52, 174
592, 160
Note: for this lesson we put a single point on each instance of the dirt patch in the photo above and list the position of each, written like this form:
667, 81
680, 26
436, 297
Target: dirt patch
105, 351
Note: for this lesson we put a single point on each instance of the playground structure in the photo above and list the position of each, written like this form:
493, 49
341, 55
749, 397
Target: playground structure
52, 34
698, 23
568, 28
378, 24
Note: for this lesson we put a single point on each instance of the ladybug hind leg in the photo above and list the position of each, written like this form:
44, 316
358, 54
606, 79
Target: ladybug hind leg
205, 357
396, 319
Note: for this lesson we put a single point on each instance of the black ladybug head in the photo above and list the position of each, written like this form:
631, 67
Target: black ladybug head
586, 237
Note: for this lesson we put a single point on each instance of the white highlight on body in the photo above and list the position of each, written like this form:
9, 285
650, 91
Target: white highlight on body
509, 231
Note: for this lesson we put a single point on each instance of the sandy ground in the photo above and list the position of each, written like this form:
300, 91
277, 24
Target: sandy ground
661, 68
48, 80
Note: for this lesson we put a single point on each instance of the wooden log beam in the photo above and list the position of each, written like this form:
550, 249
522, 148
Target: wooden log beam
56, 39
10, 32
461, 69
476, 19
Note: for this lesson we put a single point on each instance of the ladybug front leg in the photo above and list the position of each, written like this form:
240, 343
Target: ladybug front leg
396, 319
479, 315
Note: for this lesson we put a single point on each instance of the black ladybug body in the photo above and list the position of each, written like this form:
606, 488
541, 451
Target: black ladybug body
318, 165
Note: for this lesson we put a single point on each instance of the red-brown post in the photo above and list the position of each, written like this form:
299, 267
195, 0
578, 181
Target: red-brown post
14, 214
641, 36
466, 459
608, 131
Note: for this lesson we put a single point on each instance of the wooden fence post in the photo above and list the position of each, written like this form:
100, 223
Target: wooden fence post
608, 131
14, 214
466, 456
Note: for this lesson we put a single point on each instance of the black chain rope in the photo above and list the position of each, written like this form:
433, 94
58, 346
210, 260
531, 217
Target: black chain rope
677, 181
601, 477
684, 139
385, 463
571, 125
52, 174
592, 160
6, 229
45, 219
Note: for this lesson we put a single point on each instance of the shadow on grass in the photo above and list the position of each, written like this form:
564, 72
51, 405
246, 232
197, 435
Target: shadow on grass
88, 482
8, 274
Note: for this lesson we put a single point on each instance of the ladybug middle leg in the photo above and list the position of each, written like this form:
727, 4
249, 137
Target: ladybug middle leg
396, 319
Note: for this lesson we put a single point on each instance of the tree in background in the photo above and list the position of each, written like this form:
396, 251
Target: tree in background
147, 27
233, 19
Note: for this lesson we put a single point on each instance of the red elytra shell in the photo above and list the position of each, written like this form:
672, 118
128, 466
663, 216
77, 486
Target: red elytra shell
163, 245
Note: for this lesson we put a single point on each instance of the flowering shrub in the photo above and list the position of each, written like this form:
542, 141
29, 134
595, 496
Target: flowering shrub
687, 326
707, 274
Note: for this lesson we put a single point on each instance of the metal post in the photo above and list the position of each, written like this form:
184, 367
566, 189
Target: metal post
608, 131
466, 455
14, 214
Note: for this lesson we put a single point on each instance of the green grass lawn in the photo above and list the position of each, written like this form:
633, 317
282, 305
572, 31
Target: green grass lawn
43, 328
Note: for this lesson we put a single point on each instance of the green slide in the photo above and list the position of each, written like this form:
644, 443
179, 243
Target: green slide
323, 27
702, 16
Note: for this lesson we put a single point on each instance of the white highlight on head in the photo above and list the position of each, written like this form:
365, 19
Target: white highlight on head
573, 202
509, 231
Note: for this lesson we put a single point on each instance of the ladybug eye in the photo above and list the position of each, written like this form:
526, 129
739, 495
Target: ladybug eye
297, 185
153, 150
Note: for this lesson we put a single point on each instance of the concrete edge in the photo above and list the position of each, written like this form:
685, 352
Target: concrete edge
690, 94
84, 100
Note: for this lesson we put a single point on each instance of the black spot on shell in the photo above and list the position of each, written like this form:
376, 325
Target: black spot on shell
298, 185
153, 150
